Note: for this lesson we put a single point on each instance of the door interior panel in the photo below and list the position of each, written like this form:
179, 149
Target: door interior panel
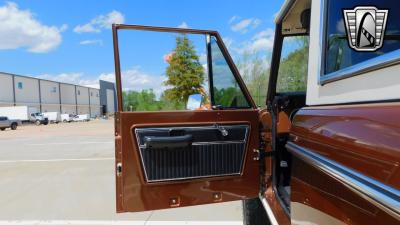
178, 153
206, 168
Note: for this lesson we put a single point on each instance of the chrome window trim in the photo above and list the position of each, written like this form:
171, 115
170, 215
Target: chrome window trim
373, 64
244, 141
381, 195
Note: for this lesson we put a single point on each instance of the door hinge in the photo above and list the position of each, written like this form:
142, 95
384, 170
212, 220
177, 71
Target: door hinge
262, 154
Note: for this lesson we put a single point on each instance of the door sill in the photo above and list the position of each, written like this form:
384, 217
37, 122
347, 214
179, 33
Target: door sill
273, 208
268, 210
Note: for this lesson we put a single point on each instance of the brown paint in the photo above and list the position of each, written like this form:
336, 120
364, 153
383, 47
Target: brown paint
364, 138
283, 123
281, 217
134, 194
132, 191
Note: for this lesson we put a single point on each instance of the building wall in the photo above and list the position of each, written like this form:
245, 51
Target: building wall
95, 111
68, 94
6, 90
51, 108
94, 102
108, 102
82, 95
26, 91
94, 96
68, 109
49, 92
83, 109
49, 96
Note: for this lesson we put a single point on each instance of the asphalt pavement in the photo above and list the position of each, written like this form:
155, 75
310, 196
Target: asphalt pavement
64, 174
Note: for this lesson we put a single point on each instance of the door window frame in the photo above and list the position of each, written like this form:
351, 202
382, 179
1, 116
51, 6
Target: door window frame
207, 33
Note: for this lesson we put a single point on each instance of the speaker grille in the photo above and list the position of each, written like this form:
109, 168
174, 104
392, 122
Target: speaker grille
199, 160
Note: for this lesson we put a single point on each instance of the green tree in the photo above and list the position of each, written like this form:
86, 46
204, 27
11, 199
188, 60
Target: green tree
293, 68
144, 100
254, 69
185, 73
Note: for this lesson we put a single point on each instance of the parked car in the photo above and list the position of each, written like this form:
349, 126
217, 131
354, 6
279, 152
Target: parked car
324, 150
38, 119
7, 123
67, 118
81, 118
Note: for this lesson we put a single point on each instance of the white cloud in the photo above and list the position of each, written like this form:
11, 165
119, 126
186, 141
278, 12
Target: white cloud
264, 34
183, 25
137, 80
232, 19
71, 78
244, 25
101, 22
132, 79
203, 58
20, 29
262, 41
92, 42
228, 42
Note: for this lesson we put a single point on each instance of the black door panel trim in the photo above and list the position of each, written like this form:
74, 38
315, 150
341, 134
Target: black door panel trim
182, 153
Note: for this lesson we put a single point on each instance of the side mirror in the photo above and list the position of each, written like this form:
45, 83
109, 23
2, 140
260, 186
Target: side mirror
194, 102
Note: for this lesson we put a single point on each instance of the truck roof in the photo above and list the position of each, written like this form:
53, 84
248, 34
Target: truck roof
283, 11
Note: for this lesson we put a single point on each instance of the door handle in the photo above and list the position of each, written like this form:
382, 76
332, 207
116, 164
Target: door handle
168, 142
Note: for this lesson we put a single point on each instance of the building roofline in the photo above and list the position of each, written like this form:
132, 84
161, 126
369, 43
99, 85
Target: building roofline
35, 78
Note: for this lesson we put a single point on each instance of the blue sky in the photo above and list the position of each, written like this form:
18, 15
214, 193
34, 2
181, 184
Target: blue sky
71, 41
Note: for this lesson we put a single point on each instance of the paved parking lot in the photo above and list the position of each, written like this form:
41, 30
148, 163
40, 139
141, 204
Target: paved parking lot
63, 174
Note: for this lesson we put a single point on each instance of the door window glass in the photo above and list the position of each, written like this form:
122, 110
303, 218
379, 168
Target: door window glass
293, 67
160, 70
226, 90
339, 55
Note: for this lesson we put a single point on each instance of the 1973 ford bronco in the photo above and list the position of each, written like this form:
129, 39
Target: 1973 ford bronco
327, 152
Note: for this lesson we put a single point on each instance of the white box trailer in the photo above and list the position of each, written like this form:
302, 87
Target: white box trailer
82, 118
54, 117
67, 117
18, 112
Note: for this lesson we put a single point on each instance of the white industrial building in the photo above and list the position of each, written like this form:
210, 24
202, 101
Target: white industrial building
51, 96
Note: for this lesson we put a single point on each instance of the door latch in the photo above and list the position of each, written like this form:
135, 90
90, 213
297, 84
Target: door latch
262, 154
119, 169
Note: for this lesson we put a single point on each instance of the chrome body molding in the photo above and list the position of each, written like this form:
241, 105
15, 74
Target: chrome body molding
379, 194
268, 210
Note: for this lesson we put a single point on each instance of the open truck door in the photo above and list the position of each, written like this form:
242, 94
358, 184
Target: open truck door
167, 159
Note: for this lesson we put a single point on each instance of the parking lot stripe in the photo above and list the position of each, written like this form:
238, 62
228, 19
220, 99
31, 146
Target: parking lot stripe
55, 160
111, 222
73, 143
